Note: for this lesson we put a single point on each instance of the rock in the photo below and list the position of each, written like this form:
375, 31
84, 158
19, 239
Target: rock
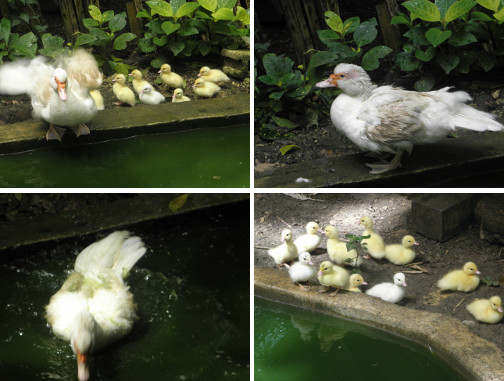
490, 214
236, 63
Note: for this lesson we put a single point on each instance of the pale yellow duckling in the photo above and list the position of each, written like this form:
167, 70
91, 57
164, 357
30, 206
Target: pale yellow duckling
330, 275
356, 280
487, 310
337, 250
170, 78
309, 241
461, 280
285, 252
178, 96
205, 89
213, 75
98, 99
401, 254
375, 246
122, 92
138, 82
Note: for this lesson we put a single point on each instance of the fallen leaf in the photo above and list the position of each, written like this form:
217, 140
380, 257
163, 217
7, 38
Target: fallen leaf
178, 202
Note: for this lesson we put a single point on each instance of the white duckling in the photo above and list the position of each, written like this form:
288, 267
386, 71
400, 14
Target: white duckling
213, 75
309, 241
337, 250
178, 96
487, 310
138, 82
391, 120
94, 307
98, 99
356, 280
401, 254
330, 275
375, 246
205, 89
59, 93
150, 96
170, 78
390, 292
286, 252
122, 92
464, 280
303, 270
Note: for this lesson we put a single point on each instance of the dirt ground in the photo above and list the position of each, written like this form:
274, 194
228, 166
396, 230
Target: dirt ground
392, 220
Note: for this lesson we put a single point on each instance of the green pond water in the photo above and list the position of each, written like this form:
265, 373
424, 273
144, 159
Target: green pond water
296, 344
192, 290
208, 158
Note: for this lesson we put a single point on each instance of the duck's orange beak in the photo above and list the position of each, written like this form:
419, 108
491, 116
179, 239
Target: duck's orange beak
61, 87
82, 366
332, 81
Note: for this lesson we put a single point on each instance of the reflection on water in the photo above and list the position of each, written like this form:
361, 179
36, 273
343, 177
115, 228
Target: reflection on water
297, 344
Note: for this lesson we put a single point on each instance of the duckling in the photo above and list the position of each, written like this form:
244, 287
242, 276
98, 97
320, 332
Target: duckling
138, 82
355, 281
461, 280
97, 98
150, 96
122, 92
374, 245
213, 75
390, 292
330, 275
310, 240
487, 310
170, 78
178, 96
205, 89
302, 271
401, 254
337, 250
285, 252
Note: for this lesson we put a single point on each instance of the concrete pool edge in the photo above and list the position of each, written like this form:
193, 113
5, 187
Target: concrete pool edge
474, 357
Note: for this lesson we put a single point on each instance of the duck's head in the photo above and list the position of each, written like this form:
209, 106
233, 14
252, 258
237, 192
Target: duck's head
330, 231
366, 222
496, 304
166, 69
178, 93
305, 258
119, 78
200, 82
325, 268
205, 70
146, 89
82, 342
286, 235
312, 227
357, 280
400, 279
351, 79
136, 74
409, 241
58, 83
470, 268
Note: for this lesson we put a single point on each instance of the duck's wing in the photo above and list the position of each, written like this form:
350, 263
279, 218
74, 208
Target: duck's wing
26, 77
82, 68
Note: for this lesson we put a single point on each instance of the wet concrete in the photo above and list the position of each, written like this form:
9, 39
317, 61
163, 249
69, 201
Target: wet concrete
122, 122
473, 356
452, 162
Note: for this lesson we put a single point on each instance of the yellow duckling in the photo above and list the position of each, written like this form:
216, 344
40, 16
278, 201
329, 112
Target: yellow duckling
213, 75
97, 98
205, 89
337, 250
170, 78
138, 82
401, 254
178, 96
330, 275
309, 241
487, 310
374, 245
285, 252
461, 280
356, 280
122, 92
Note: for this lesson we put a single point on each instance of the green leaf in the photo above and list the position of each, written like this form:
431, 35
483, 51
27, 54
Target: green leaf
275, 96
90, 23
84, 39
500, 16
169, 27
121, 41
187, 30
26, 44
5, 30
370, 60
443, 6
186, 9
146, 45
210, 5
178, 203
401, 19
143, 14
52, 45
117, 22
493, 5
448, 62
300, 92
226, 3
486, 61
417, 35
425, 83
176, 46
480, 16
426, 56
161, 8
277, 66
224, 14
269, 80
407, 61
160, 41
158, 62
423, 9
107, 16
203, 47
333, 21
282, 122
436, 37
350, 25
458, 9
328, 36
322, 58
288, 148
365, 33
461, 38
243, 16
95, 13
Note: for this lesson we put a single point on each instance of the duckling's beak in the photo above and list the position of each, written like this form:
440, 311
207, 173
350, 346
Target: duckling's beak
478, 272
319, 273
416, 243
61, 88
160, 71
499, 309
364, 283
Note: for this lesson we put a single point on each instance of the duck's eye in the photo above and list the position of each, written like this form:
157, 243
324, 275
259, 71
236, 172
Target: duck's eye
342, 75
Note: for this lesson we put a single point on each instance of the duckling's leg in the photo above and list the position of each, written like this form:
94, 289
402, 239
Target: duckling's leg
385, 166
303, 287
333, 294
55, 132
81, 129
323, 289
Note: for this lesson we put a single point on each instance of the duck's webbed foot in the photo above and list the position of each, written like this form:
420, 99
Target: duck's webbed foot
383, 166
79, 130
55, 132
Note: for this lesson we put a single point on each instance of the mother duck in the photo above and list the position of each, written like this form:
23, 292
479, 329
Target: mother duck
391, 120
59, 93
94, 306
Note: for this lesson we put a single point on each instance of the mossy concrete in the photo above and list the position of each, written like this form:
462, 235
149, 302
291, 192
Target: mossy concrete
122, 122
471, 355
454, 160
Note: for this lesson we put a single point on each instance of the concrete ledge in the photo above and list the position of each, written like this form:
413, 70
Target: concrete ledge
473, 356
124, 122
428, 166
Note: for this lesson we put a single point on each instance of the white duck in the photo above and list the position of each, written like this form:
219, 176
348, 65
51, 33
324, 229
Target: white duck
178, 96
390, 292
337, 250
310, 240
122, 92
59, 93
213, 75
286, 252
170, 78
303, 270
94, 306
150, 96
391, 120
205, 89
